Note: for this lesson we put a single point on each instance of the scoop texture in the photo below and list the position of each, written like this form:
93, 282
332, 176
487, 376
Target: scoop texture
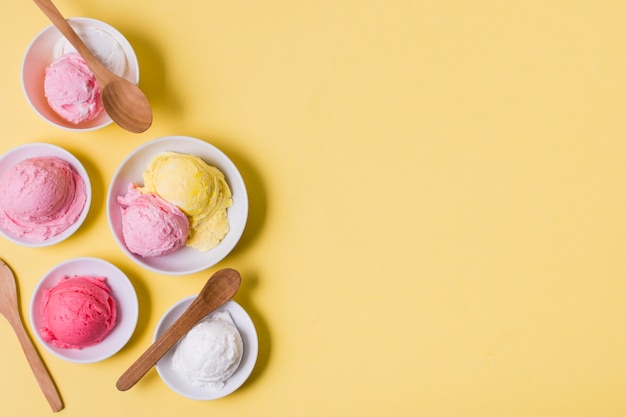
78, 312
150, 225
71, 89
198, 189
41, 197
210, 353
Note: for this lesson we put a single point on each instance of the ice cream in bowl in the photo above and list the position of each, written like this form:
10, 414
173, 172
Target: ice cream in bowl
59, 85
84, 310
177, 205
45, 194
215, 357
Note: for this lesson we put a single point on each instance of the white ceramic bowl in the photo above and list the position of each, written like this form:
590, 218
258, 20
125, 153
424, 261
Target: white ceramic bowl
20, 153
250, 352
122, 291
185, 260
40, 54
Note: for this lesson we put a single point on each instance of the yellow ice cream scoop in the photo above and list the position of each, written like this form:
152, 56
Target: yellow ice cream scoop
198, 189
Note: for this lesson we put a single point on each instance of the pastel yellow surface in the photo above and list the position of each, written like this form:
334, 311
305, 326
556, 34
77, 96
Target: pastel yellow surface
198, 189
437, 203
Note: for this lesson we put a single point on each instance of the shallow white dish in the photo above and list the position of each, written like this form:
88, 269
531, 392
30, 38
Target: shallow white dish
185, 260
250, 352
122, 291
31, 150
40, 54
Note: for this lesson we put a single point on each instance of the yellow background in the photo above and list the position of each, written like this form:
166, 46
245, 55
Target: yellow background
437, 202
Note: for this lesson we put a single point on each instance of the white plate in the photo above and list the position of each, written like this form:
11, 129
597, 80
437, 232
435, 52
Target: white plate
31, 150
250, 352
123, 293
185, 260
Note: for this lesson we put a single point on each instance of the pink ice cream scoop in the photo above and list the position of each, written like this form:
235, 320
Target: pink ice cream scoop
41, 197
78, 312
72, 90
150, 225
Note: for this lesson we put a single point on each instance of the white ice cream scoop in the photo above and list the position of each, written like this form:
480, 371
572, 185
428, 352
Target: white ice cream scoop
101, 44
210, 352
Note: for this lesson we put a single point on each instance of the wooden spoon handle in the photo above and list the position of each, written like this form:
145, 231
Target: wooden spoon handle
49, 9
160, 346
218, 290
39, 369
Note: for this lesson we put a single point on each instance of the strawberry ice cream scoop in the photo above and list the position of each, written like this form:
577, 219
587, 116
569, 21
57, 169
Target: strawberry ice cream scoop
78, 312
150, 225
71, 89
41, 197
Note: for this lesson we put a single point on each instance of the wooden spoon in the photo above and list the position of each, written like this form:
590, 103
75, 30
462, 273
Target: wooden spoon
9, 309
123, 101
219, 289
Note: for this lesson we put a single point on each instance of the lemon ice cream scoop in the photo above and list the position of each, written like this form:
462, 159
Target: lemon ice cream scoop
198, 189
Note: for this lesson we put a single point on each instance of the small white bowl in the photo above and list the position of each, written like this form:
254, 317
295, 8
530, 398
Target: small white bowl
40, 54
122, 291
250, 352
186, 260
31, 150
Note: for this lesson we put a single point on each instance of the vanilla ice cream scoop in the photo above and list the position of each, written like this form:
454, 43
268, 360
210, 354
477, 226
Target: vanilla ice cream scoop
210, 352
101, 44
